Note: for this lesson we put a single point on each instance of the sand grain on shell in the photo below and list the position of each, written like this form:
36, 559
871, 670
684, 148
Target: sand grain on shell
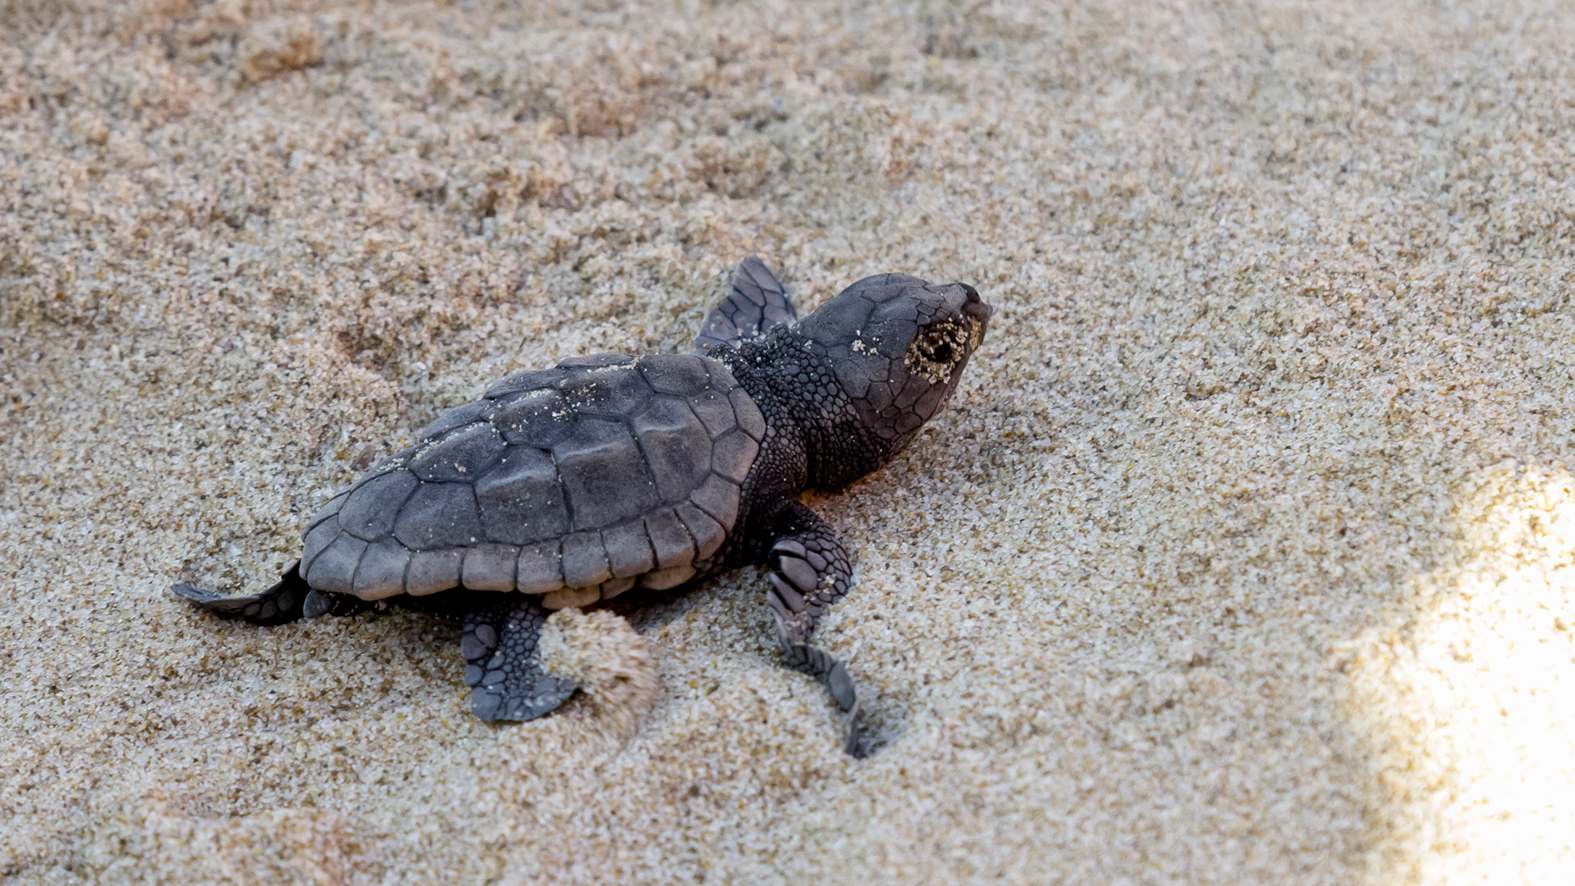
1243, 554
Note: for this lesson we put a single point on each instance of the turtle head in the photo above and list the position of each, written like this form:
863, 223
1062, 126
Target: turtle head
898, 346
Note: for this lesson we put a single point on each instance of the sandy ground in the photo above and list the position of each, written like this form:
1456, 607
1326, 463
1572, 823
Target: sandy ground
1245, 554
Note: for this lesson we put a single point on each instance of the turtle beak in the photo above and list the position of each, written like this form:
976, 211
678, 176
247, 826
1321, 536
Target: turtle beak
974, 307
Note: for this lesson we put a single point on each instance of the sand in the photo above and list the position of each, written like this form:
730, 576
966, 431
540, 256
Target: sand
1244, 554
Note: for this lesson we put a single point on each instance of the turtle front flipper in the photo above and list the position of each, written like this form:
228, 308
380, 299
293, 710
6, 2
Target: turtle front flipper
756, 305
289, 600
811, 572
501, 667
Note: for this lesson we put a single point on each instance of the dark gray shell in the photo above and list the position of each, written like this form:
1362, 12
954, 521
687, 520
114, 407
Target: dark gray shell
575, 482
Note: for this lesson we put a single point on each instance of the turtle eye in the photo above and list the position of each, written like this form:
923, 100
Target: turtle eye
936, 346
934, 354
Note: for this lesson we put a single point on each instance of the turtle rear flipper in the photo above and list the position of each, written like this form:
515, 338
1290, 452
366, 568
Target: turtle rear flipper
291, 599
280, 604
499, 646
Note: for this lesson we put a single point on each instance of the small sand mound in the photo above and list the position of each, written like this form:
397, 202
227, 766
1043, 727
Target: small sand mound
610, 662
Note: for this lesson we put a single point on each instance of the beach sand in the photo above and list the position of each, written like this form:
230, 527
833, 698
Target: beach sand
1245, 552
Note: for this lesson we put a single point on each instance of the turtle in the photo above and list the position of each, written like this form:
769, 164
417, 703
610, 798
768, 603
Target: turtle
610, 474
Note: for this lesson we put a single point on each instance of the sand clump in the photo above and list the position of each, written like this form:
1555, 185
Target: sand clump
1242, 553
610, 663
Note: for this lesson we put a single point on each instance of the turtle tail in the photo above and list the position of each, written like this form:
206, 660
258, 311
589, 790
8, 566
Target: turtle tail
291, 599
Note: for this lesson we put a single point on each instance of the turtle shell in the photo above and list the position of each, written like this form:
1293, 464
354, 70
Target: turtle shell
575, 483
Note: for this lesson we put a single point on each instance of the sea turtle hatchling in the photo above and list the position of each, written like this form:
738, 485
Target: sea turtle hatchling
566, 486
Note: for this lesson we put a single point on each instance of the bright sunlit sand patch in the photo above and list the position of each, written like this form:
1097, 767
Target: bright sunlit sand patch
1471, 698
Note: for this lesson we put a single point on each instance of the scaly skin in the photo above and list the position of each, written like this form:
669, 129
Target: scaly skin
827, 426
